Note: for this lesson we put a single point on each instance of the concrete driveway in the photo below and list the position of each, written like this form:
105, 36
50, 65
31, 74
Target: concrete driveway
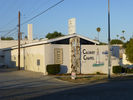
22, 84
12, 78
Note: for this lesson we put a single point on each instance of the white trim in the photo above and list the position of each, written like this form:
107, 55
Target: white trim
61, 38
88, 39
53, 40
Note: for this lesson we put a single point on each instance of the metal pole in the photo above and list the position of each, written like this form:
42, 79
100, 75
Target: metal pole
98, 36
109, 53
19, 40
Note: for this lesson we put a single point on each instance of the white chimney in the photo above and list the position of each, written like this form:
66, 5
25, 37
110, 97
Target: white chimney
72, 26
30, 32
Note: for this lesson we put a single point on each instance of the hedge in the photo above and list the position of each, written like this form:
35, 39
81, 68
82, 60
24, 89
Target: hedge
117, 69
129, 70
53, 69
120, 69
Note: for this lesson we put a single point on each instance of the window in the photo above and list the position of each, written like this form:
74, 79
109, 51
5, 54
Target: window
58, 56
38, 62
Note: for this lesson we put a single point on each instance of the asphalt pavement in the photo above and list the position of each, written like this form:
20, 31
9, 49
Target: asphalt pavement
26, 85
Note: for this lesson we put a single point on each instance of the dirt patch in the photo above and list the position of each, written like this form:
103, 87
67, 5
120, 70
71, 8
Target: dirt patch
83, 79
95, 78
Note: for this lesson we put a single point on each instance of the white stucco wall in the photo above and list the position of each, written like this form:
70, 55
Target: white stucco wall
14, 57
7, 59
88, 59
49, 56
31, 55
125, 61
28, 58
45, 53
1, 58
11, 58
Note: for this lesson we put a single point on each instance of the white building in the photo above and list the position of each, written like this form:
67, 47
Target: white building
91, 58
73, 52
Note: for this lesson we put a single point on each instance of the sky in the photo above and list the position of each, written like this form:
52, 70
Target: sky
89, 15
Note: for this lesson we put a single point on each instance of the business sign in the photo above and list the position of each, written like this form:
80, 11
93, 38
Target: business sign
86, 55
92, 55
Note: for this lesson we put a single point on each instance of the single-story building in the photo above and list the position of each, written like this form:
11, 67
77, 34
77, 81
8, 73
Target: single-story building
70, 50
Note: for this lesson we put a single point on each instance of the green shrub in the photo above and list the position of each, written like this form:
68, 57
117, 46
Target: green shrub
117, 69
129, 50
98, 73
123, 70
53, 69
128, 70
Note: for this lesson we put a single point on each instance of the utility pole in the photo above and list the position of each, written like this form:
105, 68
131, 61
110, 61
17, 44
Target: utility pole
109, 47
19, 40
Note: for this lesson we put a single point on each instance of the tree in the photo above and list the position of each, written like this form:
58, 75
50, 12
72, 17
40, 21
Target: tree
122, 37
41, 38
7, 38
129, 50
25, 37
98, 30
125, 44
116, 41
117, 36
54, 35
123, 31
103, 43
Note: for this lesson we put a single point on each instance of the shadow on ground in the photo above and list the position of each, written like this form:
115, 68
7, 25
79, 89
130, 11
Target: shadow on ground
30, 88
110, 90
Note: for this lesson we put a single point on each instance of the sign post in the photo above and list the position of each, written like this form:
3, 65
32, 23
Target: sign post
109, 53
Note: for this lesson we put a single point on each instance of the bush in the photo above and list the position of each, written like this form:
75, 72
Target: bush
98, 73
129, 70
129, 51
117, 69
116, 41
53, 69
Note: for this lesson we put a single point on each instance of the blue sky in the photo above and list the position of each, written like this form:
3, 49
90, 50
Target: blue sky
89, 15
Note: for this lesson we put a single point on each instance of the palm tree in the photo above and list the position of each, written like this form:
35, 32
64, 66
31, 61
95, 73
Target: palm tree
117, 36
123, 31
98, 30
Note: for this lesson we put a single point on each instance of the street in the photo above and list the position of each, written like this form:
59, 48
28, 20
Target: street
25, 85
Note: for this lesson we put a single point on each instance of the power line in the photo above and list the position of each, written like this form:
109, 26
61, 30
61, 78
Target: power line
36, 8
13, 35
5, 31
42, 12
12, 30
42, 4
8, 23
